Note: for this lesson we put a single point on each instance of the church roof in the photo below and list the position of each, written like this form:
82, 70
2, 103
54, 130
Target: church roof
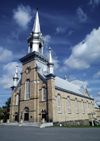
69, 87
61, 83
66, 86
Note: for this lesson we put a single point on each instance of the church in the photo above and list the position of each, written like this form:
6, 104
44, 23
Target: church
40, 94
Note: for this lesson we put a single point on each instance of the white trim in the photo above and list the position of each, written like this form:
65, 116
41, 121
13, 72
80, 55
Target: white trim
87, 107
43, 94
27, 89
68, 103
59, 103
91, 107
76, 105
82, 106
17, 99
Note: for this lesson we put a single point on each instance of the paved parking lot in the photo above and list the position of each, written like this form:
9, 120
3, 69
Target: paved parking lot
14, 133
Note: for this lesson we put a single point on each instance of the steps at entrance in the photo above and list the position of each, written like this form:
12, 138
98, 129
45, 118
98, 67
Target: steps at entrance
34, 124
11, 123
47, 124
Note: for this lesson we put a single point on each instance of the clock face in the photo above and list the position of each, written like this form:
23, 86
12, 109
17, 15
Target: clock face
28, 69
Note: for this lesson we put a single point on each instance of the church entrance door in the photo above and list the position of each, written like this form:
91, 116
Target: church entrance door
16, 116
43, 114
26, 114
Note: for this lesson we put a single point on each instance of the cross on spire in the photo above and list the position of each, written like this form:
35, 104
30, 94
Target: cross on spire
37, 8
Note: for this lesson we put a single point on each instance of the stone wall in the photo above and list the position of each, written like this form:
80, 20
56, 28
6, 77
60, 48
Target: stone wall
73, 115
73, 123
97, 111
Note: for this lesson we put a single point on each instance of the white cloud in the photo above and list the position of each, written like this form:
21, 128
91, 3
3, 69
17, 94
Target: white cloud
13, 36
99, 93
80, 83
1, 102
70, 33
7, 79
98, 103
81, 15
71, 77
89, 90
85, 53
60, 30
47, 39
5, 95
97, 98
5, 55
22, 15
64, 68
96, 75
56, 63
94, 3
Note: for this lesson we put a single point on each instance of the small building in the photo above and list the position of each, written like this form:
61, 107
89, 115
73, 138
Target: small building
40, 94
97, 112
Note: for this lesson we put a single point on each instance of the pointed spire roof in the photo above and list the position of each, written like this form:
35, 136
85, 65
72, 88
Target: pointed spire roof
50, 56
16, 74
50, 64
84, 84
36, 26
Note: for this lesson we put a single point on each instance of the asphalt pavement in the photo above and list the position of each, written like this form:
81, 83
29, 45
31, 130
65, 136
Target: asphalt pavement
15, 133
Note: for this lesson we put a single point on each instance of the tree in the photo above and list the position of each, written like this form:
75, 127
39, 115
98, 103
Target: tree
1, 113
4, 111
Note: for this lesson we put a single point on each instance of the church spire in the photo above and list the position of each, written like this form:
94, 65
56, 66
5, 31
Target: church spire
50, 56
15, 78
84, 84
36, 26
36, 41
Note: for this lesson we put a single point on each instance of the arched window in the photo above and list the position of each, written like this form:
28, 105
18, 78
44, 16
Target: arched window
27, 94
87, 107
91, 107
31, 47
26, 110
76, 105
43, 94
17, 99
68, 102
82, 106
59, 104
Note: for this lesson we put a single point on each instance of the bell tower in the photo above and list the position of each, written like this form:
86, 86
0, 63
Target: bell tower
35, 40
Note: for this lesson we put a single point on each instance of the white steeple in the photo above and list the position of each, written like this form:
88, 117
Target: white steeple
15, 78
50, 56
36, 41
50, 64
36, 26
84, 84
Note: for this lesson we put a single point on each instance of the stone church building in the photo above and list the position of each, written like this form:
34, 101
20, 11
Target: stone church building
40, 94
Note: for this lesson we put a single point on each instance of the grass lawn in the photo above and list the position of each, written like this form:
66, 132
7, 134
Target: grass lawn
77, 126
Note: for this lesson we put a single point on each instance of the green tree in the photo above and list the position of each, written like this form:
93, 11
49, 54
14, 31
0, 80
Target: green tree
1, 113
4, 111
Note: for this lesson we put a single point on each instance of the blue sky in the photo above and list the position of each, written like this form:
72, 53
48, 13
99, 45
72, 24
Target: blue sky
70, 27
